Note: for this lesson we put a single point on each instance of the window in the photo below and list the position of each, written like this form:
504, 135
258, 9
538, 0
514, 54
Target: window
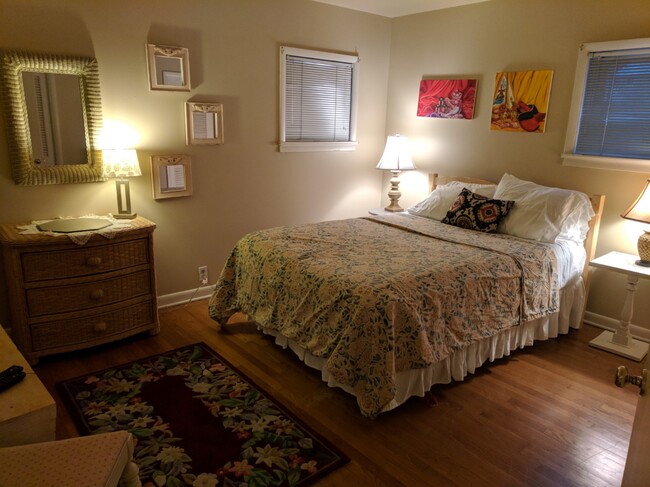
609, 122
318, 92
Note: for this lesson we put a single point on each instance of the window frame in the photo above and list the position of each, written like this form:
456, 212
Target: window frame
569, 157
294, 146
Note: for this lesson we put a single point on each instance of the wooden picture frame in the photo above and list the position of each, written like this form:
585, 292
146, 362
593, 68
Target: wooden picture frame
169, 68
204, 123
171, 176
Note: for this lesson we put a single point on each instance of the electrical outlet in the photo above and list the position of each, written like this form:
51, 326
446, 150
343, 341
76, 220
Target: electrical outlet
203, 274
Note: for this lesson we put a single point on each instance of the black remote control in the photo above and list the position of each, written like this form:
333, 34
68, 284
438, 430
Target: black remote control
14, 369
9, 380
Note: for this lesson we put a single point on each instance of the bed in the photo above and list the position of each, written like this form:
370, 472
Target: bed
387, 306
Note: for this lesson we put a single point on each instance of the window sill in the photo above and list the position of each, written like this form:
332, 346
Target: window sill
611, 163
317, 146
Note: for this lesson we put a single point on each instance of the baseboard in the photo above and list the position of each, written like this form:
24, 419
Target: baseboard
611, 324
174, 299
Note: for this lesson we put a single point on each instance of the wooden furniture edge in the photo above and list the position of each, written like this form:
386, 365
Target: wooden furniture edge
598, 204
436, 179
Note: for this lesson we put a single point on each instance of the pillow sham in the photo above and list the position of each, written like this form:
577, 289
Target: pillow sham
437, 204
476, 212
544, 213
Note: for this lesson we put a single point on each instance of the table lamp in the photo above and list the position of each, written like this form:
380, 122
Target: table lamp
120, 164
640, 212
396, 158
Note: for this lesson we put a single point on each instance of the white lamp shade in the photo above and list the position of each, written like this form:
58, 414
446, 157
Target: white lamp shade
640, 209
120, 163
397, 156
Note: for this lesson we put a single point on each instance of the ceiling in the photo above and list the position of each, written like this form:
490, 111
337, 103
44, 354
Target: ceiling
398, 8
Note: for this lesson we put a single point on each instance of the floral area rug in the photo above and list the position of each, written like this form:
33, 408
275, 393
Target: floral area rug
198, 421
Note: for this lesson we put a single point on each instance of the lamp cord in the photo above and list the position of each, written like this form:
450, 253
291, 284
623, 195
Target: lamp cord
193, 295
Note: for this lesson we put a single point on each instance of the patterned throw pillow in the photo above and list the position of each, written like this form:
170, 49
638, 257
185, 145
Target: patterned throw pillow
476, 212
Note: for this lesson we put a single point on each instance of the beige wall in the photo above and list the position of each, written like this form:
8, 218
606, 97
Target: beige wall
477, 41
246, 184
241, 186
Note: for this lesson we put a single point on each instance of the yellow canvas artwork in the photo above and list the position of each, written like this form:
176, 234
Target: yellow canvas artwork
520, 101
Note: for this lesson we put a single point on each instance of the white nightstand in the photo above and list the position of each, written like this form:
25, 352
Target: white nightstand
622, 342
381, 211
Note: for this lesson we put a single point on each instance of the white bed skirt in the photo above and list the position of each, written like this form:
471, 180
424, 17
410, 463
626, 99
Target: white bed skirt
456, 367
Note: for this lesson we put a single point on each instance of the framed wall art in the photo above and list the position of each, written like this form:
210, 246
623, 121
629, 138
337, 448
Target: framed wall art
204, 123
171, 176
169, 67
447, 98
520, 101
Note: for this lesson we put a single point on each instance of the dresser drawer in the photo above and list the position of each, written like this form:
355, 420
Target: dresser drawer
61, 299
61, 264
53, 334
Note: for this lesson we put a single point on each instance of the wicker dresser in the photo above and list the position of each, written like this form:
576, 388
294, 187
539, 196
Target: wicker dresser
64, 296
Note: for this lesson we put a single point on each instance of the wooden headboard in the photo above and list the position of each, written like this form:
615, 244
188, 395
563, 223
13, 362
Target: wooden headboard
597, 203
436, 180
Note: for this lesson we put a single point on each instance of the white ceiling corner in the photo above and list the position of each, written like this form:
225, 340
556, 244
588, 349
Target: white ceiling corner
398, 8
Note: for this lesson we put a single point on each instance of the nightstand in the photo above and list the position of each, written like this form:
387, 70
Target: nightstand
64, 296
381, 211
622, 342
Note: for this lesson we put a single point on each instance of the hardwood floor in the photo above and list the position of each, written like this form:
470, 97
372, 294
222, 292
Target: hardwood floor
545, 416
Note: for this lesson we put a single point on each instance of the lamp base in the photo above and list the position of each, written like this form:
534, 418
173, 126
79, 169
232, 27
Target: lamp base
643, 246
123, 200
125, 216
394, 207
394, 193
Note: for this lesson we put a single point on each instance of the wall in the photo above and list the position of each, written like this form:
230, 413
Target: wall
244, 185
477, 41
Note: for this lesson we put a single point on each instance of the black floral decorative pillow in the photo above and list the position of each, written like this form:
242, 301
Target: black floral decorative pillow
476, 212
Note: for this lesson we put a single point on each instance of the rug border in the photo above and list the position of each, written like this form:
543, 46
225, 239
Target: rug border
77, 418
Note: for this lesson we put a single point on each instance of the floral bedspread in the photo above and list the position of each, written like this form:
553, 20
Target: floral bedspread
378, 295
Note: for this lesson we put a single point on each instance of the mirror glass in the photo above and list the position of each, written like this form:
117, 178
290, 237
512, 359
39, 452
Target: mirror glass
169, 71
172, 178
53, 118
204, 125
169, 67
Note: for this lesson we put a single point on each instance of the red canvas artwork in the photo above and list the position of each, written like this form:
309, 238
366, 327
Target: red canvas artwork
447, 98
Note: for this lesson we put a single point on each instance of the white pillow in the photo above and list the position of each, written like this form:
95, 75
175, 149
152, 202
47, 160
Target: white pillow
543, 213
437, 204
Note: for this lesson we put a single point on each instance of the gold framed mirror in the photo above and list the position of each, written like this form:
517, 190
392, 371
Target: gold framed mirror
53, 115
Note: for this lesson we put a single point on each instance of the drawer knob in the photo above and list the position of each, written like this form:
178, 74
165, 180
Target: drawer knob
96, 294
100, 327
94, 261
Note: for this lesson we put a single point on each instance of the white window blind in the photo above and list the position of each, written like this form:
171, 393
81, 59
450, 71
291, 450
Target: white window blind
615, 116
319, 94
609, 120
318, 100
